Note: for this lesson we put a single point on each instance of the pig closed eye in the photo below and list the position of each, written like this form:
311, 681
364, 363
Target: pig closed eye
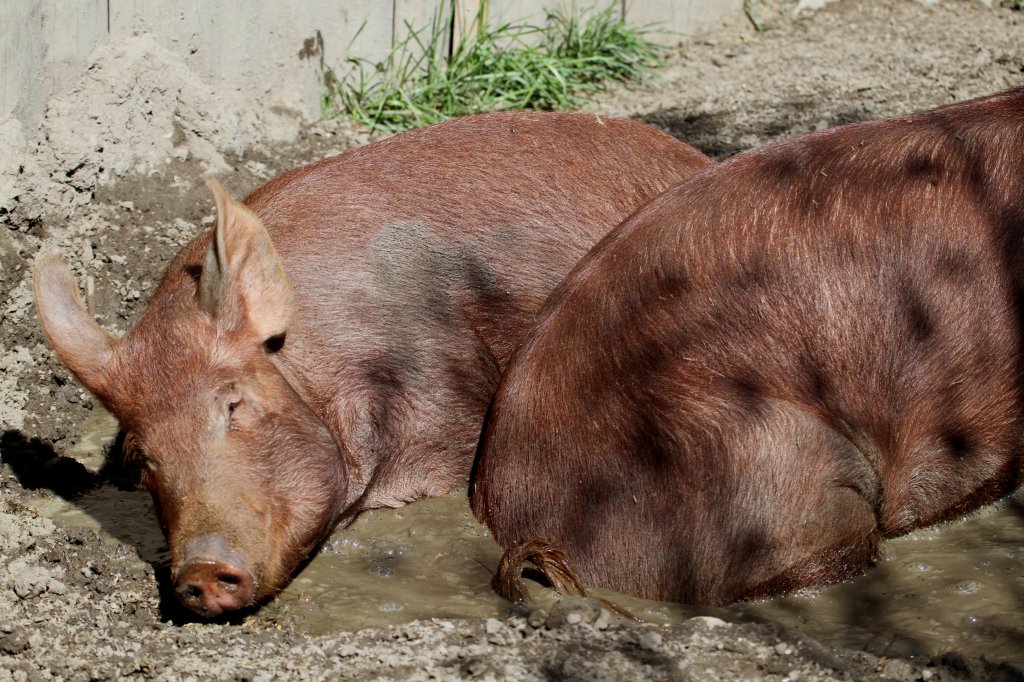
231, 406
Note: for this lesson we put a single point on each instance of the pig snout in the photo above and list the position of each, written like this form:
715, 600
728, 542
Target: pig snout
213, 579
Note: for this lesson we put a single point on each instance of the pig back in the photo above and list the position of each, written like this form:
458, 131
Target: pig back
476, 218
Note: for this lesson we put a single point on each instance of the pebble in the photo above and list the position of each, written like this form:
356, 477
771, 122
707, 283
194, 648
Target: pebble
899, 669
573, 611
709, 621
29, 581
650, 640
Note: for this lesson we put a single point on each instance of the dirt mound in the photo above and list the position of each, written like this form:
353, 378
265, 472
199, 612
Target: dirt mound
138, 108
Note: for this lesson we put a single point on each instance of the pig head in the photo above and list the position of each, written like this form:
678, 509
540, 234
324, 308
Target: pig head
214, 424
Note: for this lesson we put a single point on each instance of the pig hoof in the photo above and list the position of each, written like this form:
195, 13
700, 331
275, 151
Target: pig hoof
211, 587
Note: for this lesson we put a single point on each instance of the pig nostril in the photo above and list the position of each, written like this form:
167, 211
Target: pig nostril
193, 592
229, 581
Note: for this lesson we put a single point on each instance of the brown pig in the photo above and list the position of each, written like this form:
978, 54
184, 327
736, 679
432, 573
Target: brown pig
775, 364
332, 345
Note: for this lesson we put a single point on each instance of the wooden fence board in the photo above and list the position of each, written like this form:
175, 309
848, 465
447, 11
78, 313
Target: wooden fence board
679, 19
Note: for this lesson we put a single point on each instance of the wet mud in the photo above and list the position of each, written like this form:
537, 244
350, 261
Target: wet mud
955, 587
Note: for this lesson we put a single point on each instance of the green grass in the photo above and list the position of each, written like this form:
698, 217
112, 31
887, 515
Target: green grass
512, 66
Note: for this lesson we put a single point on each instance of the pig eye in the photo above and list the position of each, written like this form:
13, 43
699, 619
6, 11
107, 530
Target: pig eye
234, 404
274, 343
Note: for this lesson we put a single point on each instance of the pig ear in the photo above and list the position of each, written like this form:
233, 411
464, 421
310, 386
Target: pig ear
243, 280
83, 346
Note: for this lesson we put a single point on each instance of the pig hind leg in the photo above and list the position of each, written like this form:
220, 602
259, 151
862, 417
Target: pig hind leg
801, 507
770, 500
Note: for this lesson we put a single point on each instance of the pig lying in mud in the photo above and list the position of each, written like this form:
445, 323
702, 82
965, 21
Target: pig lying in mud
332, 345
775, 364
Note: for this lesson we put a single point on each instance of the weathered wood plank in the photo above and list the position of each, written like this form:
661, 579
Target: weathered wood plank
680, 19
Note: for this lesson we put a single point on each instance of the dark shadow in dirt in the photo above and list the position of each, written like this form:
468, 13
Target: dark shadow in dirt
562, 667
38, 466
720, 134
108, 496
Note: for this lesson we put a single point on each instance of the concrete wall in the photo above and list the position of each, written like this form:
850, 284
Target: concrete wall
44, 46
271, 49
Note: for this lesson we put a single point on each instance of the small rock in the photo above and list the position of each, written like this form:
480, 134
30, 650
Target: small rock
13, 644
537, 618
493, 626
41, 527
899, 669
573, 611
29, 581
650, 640
519, 608
709, 621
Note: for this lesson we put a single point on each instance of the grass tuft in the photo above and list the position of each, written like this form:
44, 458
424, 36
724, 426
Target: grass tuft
511, 66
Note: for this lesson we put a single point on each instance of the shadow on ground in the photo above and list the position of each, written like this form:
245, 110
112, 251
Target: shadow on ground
720, 134
107, 496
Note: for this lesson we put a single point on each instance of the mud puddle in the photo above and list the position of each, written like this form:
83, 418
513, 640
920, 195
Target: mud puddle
956, 587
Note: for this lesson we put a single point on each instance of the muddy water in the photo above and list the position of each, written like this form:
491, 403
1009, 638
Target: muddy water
957, 587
